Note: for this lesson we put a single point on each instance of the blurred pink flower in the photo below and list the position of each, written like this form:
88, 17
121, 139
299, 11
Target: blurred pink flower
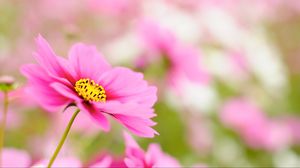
113, 7
97, 89
153, 157
66, 11
199, 134
256, 129
239, 114
19, 158
15, 158
60, 162
279, 135
106, 160
183, 60
271, 136
293, 123
13, 120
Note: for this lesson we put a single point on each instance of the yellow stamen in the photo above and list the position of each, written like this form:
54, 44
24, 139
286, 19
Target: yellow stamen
90, 91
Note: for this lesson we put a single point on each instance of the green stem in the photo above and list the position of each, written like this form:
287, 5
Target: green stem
3, 123
63, 138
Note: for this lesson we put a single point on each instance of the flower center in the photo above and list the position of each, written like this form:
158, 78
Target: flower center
90, 91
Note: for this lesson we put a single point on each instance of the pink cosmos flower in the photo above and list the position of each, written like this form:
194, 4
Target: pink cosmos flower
153, 157
97, 89
182, 60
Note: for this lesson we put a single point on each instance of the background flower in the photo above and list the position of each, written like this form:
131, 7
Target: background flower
153, 157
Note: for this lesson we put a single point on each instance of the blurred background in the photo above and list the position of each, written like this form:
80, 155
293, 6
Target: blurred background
227, 71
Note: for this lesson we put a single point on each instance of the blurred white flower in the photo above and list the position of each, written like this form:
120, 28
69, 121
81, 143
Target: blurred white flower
266, 63
286, 158
181, 23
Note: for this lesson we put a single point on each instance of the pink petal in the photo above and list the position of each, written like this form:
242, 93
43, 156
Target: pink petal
68, 67
40, 90
65, 91
156, 157
105, 162
129, 162
138, 126
124, 85
87, 61
128, 109
135, 117
134, 154
96, 114
49, 61
46, 100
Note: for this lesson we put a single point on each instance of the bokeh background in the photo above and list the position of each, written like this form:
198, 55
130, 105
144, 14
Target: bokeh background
227, 71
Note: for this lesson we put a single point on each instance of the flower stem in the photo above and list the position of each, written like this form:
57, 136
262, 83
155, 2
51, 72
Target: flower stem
63, 138
3, 123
